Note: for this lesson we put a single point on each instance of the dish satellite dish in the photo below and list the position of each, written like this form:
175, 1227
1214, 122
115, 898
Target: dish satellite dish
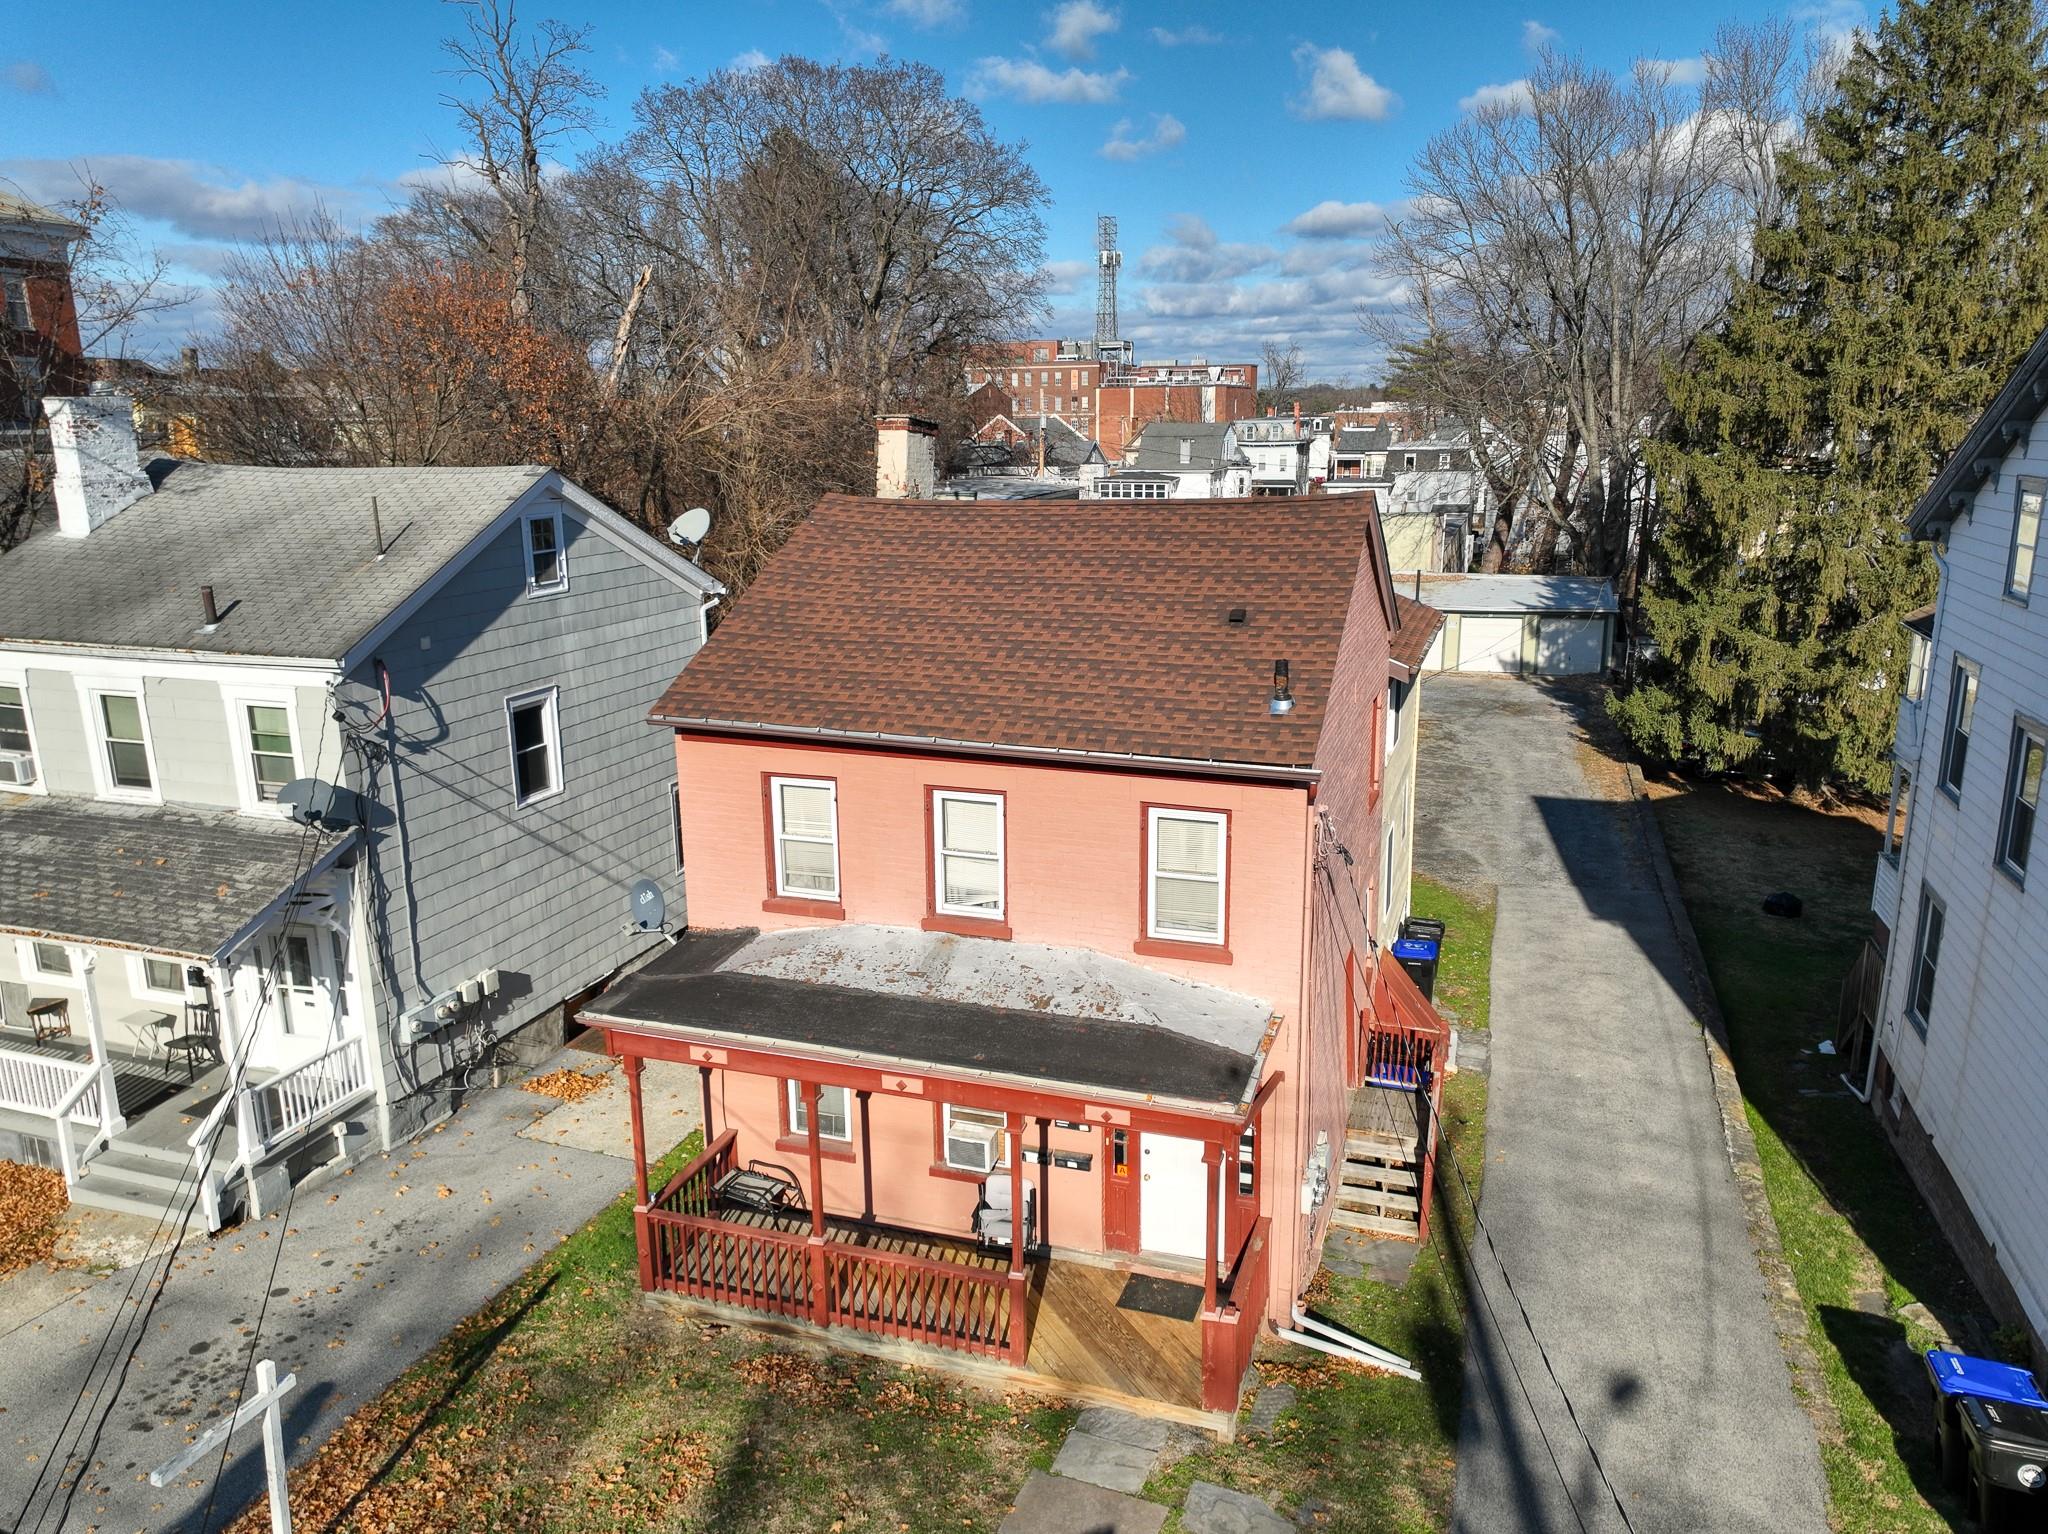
690, 528
647, 906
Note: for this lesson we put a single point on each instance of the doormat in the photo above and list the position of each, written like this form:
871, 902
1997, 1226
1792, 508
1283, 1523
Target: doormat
1160, 1297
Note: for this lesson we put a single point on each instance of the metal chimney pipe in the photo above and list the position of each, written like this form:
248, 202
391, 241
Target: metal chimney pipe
212, 611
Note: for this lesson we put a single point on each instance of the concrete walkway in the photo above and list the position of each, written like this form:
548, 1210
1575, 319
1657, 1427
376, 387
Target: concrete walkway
377, 1266
1609, 1191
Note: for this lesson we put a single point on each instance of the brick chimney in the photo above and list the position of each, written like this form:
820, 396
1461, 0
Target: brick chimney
92, 439
906, 457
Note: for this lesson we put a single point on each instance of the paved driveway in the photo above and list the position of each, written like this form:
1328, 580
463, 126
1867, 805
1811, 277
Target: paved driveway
377, 1266
1609, 1192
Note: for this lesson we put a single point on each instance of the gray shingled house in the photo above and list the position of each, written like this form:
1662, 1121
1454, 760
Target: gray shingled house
317, 786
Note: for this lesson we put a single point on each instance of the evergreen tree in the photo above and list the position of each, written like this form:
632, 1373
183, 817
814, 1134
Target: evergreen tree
1887, 306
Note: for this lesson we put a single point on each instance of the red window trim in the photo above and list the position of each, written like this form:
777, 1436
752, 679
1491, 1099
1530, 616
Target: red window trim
797, 905
940, 1168
788, 1138
1172, 948
961, 926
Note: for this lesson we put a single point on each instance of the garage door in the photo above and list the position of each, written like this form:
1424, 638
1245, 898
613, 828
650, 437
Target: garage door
1489, 644
1570, 646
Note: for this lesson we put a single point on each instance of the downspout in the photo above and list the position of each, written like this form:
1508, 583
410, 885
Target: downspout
1308, 1332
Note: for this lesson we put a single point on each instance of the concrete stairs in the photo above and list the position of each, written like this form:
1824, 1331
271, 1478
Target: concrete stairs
130, 1177
1379, 1185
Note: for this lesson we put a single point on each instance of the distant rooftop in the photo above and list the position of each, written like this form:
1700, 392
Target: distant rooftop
1518, 593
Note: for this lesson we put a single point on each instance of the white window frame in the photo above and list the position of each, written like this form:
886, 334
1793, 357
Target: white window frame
2024, 733
536, 587
19, 679
1963, 681
32, 968
243, 741
940, 797
799, 1125
778, 836
2016, 589
1931, 906
946, 1112
551, 725
90, 691
1153, 815
138, 978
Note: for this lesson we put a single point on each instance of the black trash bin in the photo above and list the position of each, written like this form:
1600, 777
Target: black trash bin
1418, 955
1992, 1423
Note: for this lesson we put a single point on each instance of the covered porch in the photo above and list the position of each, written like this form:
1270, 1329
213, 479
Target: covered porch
838, 1222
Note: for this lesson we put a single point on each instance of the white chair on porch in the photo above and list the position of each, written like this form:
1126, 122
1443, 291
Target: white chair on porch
992, 1222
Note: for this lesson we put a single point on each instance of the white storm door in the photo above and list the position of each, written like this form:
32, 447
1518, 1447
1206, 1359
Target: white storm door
1170, 1195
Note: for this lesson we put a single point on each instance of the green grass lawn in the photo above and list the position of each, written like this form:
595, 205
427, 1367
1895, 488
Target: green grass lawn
1464, 968
1861, 1244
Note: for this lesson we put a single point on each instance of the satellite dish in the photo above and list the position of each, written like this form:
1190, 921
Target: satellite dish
689, 529
647, 905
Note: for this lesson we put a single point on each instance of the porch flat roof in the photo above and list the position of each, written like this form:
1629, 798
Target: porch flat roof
687, 989
181, 883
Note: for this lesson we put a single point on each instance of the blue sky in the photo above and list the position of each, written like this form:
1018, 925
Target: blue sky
1249, 150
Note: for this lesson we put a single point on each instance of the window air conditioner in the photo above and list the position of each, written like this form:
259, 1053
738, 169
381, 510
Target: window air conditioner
972, 1146
17, 768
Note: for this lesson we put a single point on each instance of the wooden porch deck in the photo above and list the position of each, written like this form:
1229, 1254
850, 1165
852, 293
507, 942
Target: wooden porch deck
1390, 1113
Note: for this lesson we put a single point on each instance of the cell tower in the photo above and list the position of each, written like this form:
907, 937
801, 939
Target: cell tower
1107, 259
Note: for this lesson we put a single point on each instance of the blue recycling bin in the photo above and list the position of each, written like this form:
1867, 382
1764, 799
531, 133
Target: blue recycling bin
1992, 1424
1418, 956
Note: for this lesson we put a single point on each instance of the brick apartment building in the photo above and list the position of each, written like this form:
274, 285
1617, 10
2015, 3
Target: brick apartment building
1109, 402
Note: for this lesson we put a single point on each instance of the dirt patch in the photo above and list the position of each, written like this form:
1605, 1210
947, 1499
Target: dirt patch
32, 1202
567, 1085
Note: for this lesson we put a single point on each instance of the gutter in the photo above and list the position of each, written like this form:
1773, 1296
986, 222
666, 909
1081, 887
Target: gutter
944, 746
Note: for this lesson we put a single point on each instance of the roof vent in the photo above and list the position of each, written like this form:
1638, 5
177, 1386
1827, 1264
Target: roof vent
1282, 701
1236, 617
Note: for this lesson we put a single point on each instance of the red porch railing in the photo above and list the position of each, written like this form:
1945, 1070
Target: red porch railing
685, 1248
1406, 1045
1231, 1330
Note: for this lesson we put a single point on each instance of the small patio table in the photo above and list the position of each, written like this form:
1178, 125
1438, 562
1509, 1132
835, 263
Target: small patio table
49, 1017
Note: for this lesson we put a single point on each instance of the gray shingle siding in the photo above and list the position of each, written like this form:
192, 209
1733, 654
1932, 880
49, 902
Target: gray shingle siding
540, 892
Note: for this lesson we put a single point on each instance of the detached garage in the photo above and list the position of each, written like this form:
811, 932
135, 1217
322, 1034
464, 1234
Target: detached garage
1521, 625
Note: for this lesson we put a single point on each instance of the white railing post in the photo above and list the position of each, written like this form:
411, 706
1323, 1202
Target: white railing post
234, 1054
111, 1121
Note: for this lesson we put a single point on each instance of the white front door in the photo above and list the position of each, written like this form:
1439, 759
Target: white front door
1170, 1195
302, 971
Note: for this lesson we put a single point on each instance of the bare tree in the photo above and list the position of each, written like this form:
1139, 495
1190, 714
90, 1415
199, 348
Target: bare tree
528, 91
1565, 248
1283, 371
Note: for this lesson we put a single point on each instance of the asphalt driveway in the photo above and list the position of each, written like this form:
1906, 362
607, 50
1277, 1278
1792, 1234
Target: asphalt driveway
377, 1265
1609, 1193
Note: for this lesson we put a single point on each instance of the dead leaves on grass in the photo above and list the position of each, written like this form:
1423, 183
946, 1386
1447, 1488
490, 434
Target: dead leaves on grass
32, 1200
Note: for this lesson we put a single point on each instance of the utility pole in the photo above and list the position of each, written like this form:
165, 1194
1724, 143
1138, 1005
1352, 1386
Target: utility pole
267, 1404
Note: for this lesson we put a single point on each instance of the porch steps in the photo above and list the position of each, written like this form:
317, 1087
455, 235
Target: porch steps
131, 1177
1379, 1185
1373, 1224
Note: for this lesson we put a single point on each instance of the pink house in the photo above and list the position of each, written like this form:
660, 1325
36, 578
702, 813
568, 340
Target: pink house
1032, 969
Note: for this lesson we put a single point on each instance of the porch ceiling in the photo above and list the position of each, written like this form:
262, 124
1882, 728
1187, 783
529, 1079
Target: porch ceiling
697, 986
176, 882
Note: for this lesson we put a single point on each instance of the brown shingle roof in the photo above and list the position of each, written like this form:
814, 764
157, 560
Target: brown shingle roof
1418, 625
1073, 626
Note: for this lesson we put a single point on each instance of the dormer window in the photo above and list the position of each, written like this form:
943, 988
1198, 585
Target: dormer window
1187, 451
547, 566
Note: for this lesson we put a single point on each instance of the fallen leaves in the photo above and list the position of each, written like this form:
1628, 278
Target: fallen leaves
32, 1200
567, 1084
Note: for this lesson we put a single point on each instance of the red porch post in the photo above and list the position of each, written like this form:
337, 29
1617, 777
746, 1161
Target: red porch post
704, 1091
643, 1228
1013, 1122
813, 1096
1212, 1197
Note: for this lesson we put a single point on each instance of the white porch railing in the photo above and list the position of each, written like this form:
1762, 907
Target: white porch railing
45, 1085
288, 1103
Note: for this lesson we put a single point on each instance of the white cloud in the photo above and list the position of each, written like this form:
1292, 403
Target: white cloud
1338, 90
1536, 36
1833, 21
1332, 220
1185, 37
1076, 25
1068, 276
746, 63
202, 202
1029, 80
1167, 131
925, 13
665, 59
1194, 255
1682, 71
1514, 96
28, 77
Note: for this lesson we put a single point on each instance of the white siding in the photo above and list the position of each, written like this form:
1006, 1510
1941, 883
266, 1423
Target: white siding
1979, 1081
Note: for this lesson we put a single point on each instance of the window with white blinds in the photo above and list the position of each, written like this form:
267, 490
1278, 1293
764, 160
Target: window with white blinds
806, 828
1186, 853
967, 854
